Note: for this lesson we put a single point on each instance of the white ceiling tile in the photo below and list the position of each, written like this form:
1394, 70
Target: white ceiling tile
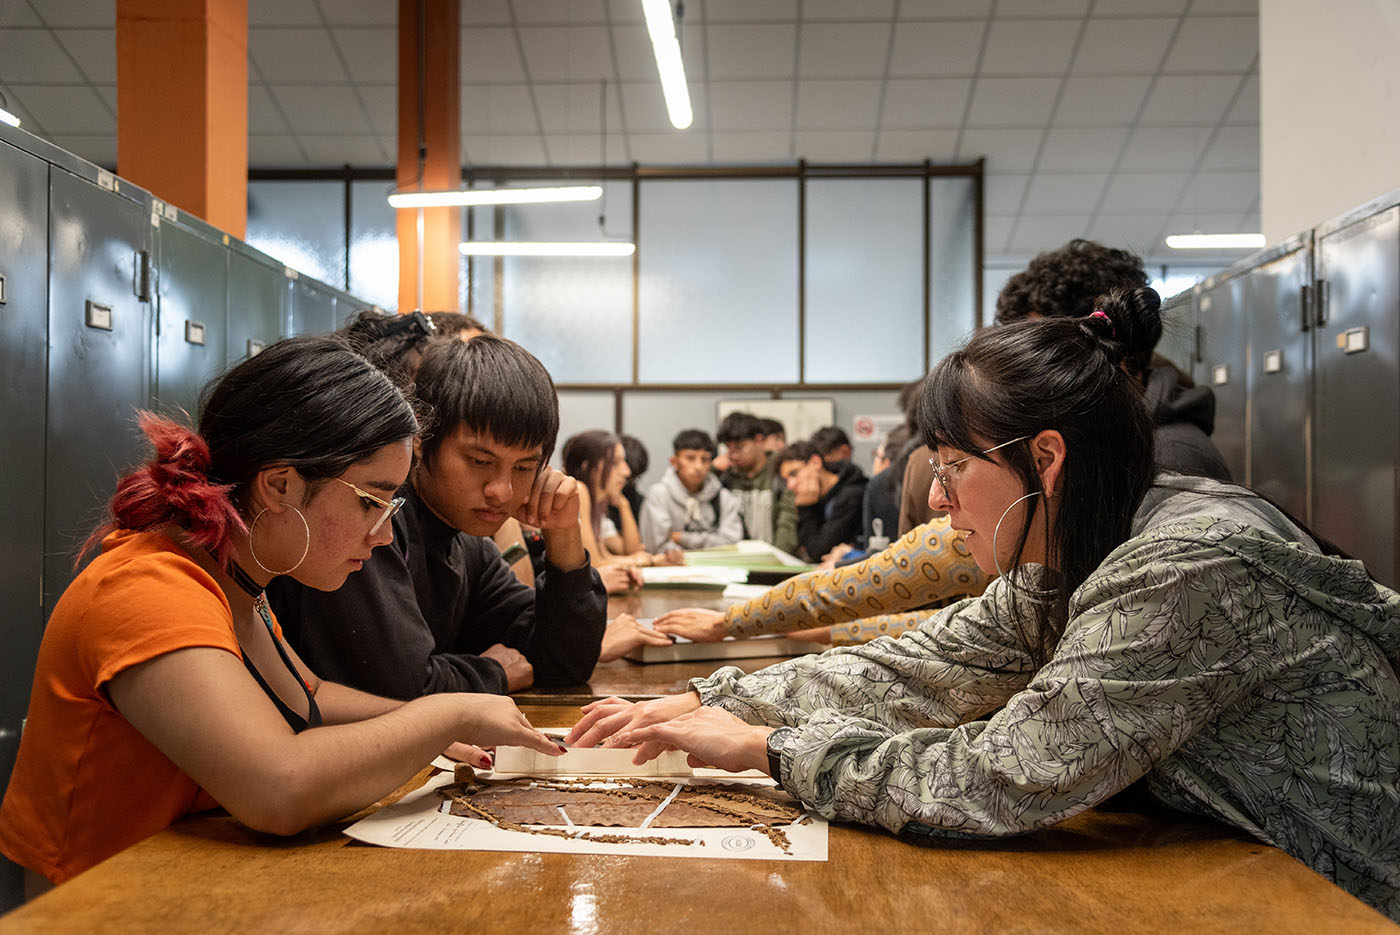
925, 102
1150, 192
1246, 106
15, 13
635, 61
844, 9
834, 145
566, 53
1234, 147
497, 109
32, 56
1215, 43
585, 149
1101, 101
644, 107
1187, 221
14, 103
1042, 7
1222, 191
1069, 193
502, 150
485, 12
295, 55
274, 151
382, 102
1024, 102
1082, 149
283, 13
569, 108
1139, 7
731, 11
321, 108
750, 50
916, 145
996, 229
674, 148
749, 105
108, 93
1140, 234
1123, 46
1029, 47
558, 12
1035, 233
100, 149
1005, 150
942, 9
95, 51
1165, 148
843, 50
1225, 6
1189, 98
364, 12
263, 114
337, 150
630, 11
939, 48
66, 110
756, 147
489, 53
60, 13
837, 105
1003, 193
370, 54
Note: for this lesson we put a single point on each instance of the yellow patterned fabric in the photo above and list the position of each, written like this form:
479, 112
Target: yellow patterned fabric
873, 598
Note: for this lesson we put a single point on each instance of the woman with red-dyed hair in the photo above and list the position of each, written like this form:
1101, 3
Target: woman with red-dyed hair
163, 685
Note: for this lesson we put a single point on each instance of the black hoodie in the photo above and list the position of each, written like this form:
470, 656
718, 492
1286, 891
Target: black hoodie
1184, 417
835, 518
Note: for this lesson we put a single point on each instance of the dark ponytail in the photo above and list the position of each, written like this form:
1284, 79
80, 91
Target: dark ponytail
1069, 375
309, 403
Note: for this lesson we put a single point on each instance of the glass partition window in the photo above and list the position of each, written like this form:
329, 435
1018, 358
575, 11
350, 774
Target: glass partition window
374, 245
302, 224
865, 280
573, 313
952, 265
718, 281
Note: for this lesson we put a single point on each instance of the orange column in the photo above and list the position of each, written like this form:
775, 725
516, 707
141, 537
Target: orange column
182, 104
430, 149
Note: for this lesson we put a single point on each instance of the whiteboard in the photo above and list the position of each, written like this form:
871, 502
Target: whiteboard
800, 417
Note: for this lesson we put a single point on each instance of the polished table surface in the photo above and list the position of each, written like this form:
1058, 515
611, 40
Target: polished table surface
1101, 872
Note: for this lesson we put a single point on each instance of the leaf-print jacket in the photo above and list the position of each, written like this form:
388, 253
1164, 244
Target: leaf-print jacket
1216, 652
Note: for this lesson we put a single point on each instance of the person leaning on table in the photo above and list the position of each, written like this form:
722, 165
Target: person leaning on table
1144, 624
163, 685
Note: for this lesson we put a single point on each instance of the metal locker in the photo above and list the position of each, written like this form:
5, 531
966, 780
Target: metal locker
257, 289
312, 309
24, 245
191, 314
1279, 381
99, 359
1224, 333
1357, 424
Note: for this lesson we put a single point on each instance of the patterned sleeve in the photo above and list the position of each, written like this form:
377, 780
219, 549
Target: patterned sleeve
961, 663
1154, 652
929, 564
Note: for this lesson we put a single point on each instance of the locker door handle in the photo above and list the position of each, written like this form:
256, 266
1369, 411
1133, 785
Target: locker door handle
143, 276
1304, 316
1322, 293
1200, 350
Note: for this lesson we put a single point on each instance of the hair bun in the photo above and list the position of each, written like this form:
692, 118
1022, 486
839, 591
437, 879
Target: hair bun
1129, 322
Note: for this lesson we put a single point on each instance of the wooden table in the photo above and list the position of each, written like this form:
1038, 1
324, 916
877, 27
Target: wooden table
1100, 873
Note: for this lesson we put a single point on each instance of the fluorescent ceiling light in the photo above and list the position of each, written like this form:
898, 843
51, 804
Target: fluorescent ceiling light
668, 61
1215, 241
541, 248
7, 117
495, 196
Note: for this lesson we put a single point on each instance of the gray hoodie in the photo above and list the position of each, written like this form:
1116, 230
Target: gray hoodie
704, 520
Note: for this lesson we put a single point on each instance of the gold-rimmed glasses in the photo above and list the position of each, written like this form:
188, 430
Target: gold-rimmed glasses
946, 475
390, 506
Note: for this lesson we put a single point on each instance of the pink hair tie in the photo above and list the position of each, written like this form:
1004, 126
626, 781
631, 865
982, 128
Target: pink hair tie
1099, 313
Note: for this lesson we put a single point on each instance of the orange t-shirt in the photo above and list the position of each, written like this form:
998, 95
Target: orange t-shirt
87, 784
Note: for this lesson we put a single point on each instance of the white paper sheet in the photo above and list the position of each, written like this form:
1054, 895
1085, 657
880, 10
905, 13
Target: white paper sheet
586, 761
419, 821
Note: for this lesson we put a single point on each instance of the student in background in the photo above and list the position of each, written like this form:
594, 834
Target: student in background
457, 325
882, 493
833, 444
689, 507
440, 610
164, 686
774, 435
635, 454
765, 503
828, 501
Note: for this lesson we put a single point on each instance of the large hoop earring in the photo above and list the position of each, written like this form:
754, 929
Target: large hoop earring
1035, 596
252, 551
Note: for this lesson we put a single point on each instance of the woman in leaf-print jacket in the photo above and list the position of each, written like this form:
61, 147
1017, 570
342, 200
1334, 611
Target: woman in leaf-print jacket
1147, 625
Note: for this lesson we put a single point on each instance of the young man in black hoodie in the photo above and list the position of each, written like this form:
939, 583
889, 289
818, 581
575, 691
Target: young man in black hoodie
828, 497
439, 610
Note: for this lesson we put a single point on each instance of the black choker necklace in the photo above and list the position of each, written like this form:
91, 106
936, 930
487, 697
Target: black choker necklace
245, 581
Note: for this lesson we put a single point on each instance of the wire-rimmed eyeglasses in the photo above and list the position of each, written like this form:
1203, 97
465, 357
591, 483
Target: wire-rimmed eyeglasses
390, 506
946, 476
